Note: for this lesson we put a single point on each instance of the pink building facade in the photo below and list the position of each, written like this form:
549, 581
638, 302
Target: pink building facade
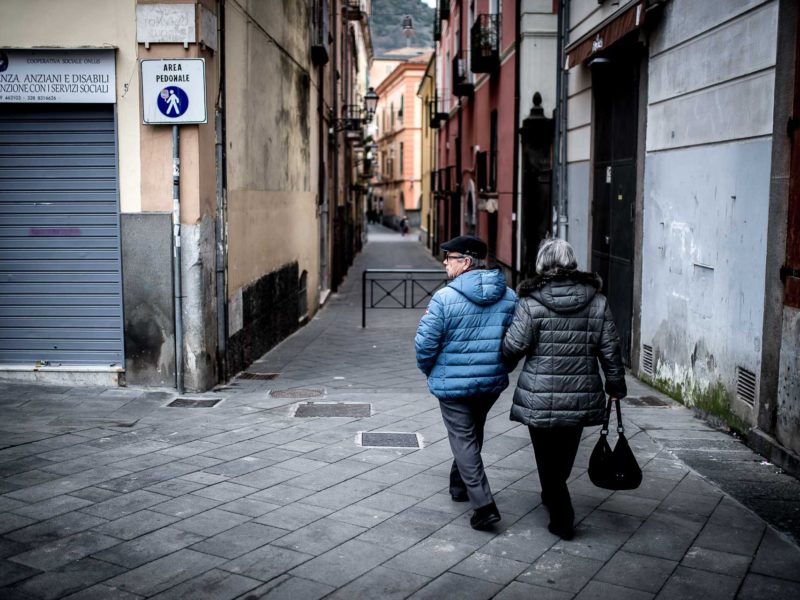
475, 183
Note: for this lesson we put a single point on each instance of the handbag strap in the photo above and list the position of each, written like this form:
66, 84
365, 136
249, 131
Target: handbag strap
607, 417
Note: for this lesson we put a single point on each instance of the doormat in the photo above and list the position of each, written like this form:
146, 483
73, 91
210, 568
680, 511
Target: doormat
194, 402
388, 439
333, 409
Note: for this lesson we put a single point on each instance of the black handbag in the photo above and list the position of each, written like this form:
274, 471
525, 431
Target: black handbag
615, 469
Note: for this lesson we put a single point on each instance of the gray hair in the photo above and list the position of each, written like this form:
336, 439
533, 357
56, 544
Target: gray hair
476, 263
555, 254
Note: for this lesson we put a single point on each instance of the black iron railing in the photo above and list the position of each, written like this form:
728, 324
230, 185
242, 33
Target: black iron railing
398, 288
462, 86
485, 44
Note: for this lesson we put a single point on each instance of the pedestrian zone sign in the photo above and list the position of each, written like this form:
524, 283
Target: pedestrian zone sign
174, 91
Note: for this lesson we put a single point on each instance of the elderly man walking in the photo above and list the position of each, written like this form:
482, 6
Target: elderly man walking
459, 348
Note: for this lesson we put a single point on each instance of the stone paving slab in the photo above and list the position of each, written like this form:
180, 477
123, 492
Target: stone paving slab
245, 501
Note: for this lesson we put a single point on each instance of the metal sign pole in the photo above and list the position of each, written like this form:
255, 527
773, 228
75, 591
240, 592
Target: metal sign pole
176, 257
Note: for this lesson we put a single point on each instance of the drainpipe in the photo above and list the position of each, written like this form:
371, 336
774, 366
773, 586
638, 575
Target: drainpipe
515, 253
560, 189
220, 229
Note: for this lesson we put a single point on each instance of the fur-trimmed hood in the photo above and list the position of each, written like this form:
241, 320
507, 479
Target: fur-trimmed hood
562, 290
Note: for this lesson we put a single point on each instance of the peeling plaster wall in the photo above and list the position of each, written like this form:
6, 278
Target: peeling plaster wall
272, 169
705, 223
198, 308
706, 190
786, 427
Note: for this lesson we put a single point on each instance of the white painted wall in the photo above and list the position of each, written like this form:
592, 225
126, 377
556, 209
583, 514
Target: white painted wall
706, 189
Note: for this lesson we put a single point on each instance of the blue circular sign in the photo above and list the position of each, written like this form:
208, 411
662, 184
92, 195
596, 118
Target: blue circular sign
3, 61
172, 101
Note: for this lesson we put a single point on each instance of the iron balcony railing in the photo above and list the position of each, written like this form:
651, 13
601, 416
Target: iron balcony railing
354, 9
444, 9
462, 86
398, 288
485, 44
436, 113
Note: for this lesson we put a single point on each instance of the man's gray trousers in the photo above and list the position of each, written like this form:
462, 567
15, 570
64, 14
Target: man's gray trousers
464, 419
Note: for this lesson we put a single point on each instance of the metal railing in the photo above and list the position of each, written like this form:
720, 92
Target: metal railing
398, 288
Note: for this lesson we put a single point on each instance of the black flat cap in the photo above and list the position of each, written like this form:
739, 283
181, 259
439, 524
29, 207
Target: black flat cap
466, 244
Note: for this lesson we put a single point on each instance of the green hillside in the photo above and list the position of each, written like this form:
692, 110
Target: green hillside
386, 24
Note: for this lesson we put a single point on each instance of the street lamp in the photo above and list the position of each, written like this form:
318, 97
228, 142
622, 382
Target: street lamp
408, 29
370, 103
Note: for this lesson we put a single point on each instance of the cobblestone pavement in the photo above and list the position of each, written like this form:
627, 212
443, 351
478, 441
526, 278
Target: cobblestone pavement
110, 494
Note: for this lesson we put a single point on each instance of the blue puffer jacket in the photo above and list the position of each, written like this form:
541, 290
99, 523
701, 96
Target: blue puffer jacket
459, 340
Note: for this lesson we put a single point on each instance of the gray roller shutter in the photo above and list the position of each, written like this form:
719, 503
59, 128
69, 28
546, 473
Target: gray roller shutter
60, 281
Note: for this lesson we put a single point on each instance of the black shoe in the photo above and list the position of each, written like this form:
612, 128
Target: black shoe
563, 530
545, 499
459, 496
485, 516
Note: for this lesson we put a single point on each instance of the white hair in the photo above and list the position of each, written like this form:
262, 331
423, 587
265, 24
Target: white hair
555, 254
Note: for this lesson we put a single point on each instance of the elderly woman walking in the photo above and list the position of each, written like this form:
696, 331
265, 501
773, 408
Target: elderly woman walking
563, 327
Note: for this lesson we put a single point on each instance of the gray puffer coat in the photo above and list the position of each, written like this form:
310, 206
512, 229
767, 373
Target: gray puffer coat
563, 327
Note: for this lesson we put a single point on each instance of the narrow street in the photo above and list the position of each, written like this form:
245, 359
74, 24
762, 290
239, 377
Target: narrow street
109, 493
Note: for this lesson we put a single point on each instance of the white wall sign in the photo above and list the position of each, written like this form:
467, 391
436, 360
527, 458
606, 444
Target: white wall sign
174, 91
165, 23
56, 76
208, 28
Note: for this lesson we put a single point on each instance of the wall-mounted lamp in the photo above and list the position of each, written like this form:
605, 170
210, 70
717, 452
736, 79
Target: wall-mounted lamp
597, 61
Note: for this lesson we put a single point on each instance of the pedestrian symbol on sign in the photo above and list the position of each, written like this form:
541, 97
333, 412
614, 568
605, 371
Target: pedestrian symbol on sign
173, 101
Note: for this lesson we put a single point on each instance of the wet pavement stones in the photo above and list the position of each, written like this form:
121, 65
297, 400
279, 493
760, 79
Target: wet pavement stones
110, 494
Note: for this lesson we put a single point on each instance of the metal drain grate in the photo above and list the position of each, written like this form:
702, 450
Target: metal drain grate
746, 386
194, 402
258, 376
647, 360
645, 401
388, 439
333, 409
297, 393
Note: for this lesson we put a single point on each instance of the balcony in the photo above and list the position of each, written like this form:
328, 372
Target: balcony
444, 9
485, 44
352, 120
462, 86
353, 10
436, 113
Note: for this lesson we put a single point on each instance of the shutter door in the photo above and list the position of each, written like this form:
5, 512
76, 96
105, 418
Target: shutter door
60, 274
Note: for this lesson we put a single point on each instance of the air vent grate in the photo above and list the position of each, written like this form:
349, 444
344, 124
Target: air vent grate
388, 439
647, 360
258, 376
194, 402
297, 393
746, 386
333, 409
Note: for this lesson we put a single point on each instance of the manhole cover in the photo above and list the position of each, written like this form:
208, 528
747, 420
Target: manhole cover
194, 402
259, 376
389, 439
645, 401
332, 409
297, 393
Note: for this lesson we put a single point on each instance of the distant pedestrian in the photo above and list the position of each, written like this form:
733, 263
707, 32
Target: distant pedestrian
564, 328
404, 225
458, 345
